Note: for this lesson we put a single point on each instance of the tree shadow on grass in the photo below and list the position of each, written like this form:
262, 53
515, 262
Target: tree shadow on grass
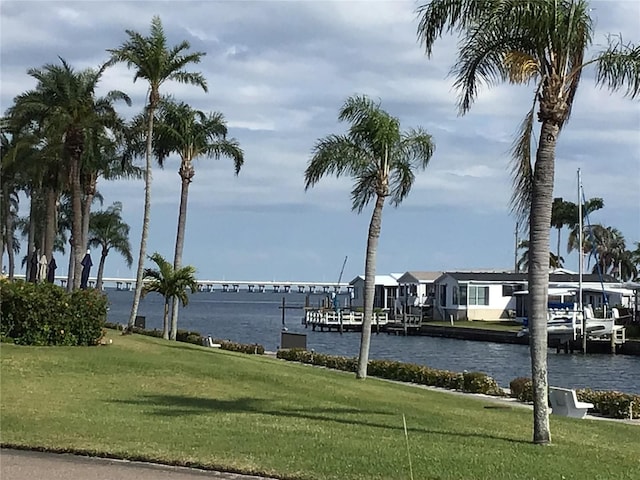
180, 405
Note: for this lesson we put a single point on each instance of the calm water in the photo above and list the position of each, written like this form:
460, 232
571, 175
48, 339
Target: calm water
256, 318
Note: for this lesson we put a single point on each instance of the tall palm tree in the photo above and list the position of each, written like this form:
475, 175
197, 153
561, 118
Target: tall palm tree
573, 214
64, 104
382, 160
157, 63
634, 257
523, 262
109, 231
560, 217
607, 247
171, 284
519, 42
191, 134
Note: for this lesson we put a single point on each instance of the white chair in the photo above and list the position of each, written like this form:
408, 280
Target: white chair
564, 402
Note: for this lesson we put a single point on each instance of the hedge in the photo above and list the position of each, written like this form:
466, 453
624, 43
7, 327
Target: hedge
46, 314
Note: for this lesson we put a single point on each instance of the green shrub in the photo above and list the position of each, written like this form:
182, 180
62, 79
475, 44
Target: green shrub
610, 403
522, 389
475, 382
478, 382
45, 314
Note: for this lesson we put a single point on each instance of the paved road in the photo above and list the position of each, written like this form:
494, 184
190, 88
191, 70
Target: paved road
25, 465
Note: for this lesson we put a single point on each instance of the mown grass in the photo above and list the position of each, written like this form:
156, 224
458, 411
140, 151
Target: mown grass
145, 398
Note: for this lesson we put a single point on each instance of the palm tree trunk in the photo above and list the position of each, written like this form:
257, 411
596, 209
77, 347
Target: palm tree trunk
71, 266
186, 174
103, 257
76, 221
540, 218
369, 286
51, 218
165, 320
146, 216
89, 195
31, 236
9, 230
558, 246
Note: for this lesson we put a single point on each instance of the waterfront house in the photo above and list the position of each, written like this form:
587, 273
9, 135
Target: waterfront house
386, 291
417, 288
477, 295
490, 295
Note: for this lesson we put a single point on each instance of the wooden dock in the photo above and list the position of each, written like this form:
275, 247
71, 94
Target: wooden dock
342, 320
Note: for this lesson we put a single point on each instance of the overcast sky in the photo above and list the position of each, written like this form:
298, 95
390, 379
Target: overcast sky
279, 72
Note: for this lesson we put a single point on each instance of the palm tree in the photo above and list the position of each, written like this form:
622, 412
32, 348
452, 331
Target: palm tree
191, 134
155, 62
171, 284
65, 106
521, 42
573, 214
634, 257
109, 231
381, 160
523, 262
560, 217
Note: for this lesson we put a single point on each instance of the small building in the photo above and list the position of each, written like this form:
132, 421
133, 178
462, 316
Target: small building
490, 295
418, 288
477, 295
386, 291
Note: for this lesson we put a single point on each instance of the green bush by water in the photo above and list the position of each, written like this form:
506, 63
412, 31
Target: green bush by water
46, 314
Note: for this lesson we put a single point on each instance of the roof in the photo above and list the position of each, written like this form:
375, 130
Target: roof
419, 277
523, 277
386, 280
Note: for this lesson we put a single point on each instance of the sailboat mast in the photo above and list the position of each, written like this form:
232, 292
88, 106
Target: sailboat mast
580, 264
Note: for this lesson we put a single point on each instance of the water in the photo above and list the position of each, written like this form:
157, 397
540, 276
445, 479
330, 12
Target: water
256, 318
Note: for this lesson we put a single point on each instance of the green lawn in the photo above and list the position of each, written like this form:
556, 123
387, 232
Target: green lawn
145, 398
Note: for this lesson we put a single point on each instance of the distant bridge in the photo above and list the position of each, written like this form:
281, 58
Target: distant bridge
230, 285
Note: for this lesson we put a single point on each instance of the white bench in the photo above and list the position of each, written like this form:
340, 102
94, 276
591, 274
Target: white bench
564, 401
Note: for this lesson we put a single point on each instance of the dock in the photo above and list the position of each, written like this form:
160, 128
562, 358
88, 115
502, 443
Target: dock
343, 320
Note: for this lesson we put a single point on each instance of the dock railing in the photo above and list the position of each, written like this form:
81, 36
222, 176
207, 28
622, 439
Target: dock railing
344, 318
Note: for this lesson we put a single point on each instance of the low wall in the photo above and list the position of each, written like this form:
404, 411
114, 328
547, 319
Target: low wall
631, 347
476, 334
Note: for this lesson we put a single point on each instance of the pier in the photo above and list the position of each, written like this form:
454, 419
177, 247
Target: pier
253, 286
342, 320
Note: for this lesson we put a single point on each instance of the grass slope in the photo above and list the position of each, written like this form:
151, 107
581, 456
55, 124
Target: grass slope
149, 399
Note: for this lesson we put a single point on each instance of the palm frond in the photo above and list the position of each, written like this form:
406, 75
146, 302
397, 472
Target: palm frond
333, 155
447, 16
521, 67
522, 169
618, 67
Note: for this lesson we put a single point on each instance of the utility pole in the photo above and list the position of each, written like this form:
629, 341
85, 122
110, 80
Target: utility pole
515, 251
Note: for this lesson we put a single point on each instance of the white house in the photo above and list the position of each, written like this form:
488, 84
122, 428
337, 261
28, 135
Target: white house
386, 291
490, 295
477, 295
417, 288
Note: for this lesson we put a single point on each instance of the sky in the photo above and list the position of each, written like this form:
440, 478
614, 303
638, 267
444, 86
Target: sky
279, 71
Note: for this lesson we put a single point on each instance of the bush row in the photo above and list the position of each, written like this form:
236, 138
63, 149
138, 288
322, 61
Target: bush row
470, 382
46, 314
606, 403
197, 339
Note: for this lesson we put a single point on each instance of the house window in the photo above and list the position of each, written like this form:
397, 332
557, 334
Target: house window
478, 295
463, 294
507, 290
443, 295
454, 293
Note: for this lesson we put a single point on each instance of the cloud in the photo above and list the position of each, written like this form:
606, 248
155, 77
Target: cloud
279, 71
